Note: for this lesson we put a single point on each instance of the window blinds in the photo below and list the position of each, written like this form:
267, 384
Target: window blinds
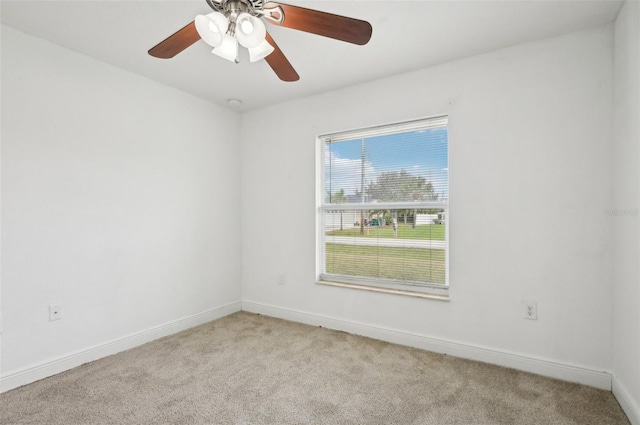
385, 204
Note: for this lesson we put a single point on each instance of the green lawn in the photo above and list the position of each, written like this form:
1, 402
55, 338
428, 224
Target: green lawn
423, 265
405, 231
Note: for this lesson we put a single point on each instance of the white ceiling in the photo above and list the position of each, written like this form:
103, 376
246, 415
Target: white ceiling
407, 35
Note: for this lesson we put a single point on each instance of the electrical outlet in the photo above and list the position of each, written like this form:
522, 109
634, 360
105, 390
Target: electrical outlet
530, 309
282, 278
55, 312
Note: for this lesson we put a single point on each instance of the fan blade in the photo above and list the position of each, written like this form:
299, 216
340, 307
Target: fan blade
279, 63
322, 23
176, 43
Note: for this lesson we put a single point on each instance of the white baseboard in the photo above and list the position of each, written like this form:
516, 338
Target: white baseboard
565, 372
628, 404
53, 367
594, 378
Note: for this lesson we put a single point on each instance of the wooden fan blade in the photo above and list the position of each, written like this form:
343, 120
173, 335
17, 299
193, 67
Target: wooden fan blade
176, 43
279, 63
325, 24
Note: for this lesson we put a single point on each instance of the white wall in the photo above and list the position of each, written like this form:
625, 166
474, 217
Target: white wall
112, 188
626, 200
116, 195
530, 136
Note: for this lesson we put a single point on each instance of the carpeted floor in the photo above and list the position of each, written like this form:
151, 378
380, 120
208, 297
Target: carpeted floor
251, 369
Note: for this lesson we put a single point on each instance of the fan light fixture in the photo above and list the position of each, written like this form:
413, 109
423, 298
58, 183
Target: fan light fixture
261, 51
212, 27
223, 33
241, 22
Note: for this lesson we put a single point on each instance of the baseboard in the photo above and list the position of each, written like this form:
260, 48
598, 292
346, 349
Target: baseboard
53, 367
598, 379
565, 372
628, 404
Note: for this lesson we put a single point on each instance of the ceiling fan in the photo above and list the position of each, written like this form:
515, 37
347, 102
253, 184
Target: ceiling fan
234, 22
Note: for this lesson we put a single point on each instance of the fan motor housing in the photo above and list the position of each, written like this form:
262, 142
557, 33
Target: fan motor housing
237, 6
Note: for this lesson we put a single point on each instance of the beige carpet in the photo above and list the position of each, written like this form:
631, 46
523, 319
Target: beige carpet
251, 369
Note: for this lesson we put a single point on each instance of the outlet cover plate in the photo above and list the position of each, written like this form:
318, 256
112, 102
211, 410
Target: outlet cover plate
530, 309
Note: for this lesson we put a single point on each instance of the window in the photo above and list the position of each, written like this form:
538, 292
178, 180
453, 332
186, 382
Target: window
383, 208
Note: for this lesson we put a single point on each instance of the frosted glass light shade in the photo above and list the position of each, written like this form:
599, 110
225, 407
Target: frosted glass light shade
250, 31
228, 49
263, 50
212, 28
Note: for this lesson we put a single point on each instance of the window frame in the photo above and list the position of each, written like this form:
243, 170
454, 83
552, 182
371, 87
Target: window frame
416, 289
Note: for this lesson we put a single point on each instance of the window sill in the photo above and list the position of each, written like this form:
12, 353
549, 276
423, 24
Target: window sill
426, 292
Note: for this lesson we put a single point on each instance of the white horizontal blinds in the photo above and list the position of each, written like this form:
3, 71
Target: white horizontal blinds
410, 166
380, 251
437, 122
385, 203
